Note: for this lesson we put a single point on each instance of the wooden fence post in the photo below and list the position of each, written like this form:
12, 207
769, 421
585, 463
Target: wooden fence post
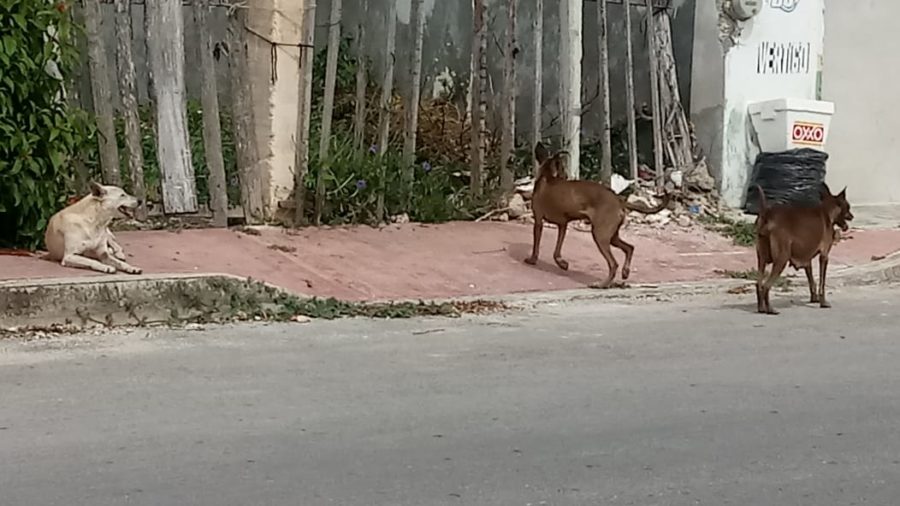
507, 150
362, 84
304, 111
387, 95
174, 151
212, 128
605, 113
574, 49
242, 116
538, 104
334, 46
417, 24
629, 94
102, 93
654, 98
479, 104
128, 94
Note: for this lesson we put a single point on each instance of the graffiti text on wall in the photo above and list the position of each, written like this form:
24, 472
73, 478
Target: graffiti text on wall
785, 5
783, 58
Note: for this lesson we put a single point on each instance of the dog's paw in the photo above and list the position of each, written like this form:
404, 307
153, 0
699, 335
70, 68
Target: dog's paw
134, 270
625, 273
562, 264
109, 269
825, 304
531, 261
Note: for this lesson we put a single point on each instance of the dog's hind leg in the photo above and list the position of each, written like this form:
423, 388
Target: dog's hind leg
536, 243
823, 267
603, 244
629, 252
813, 292
762, 259
777, 268
83, 262
557, 253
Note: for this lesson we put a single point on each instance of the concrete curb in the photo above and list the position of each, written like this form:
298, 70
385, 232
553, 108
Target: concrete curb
886, 270
126, 299
123, 299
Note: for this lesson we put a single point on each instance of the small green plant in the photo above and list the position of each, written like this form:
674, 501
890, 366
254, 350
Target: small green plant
354, 180
741, 232
782, 283
220, 300
39, 134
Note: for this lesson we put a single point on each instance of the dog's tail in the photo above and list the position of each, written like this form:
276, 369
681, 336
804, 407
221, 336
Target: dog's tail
762, 201
641, 208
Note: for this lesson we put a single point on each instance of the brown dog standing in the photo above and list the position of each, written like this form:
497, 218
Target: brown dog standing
795, 235
560, 201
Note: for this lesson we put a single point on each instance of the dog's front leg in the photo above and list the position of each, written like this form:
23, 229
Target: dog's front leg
813, 292
557, 252
536, 245
114, 247
121, 265
83, 262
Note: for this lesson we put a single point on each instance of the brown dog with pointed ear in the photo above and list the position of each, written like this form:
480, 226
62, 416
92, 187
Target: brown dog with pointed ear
559, 201
796, 235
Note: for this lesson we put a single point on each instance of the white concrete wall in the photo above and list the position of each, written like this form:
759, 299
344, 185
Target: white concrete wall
776, 54
861, 72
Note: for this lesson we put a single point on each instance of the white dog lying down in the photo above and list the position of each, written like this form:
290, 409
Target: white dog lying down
79, 235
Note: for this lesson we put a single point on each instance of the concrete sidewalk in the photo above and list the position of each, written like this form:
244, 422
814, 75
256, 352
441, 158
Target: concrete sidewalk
433, 261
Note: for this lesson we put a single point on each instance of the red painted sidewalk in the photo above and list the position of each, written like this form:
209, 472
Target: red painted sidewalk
432, 261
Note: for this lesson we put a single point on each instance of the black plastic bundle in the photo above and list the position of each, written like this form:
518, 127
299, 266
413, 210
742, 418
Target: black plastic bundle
792, 177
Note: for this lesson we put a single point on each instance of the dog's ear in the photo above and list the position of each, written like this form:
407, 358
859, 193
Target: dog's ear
97, 190
843, 194
540, 153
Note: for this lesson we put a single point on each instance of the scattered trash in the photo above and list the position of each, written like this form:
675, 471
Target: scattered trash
620, 184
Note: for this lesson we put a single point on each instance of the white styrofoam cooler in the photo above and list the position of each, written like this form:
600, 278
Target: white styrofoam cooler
791, 123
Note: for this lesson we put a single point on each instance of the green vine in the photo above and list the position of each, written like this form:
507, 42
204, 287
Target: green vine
39, 134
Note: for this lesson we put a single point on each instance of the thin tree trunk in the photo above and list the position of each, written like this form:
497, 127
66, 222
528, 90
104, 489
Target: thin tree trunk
75, 100
606, 113
304, 111
212, 128
479, 49
563, 59
387, 95
654, 98
362, 84
537, 107
167, 61
148, 37
507, 151
572, 129
334, 42
242, 116
417, 24
629, 95
128, 94
102, 93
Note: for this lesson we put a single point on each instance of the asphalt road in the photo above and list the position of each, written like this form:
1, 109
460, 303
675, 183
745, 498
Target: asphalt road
593, 403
